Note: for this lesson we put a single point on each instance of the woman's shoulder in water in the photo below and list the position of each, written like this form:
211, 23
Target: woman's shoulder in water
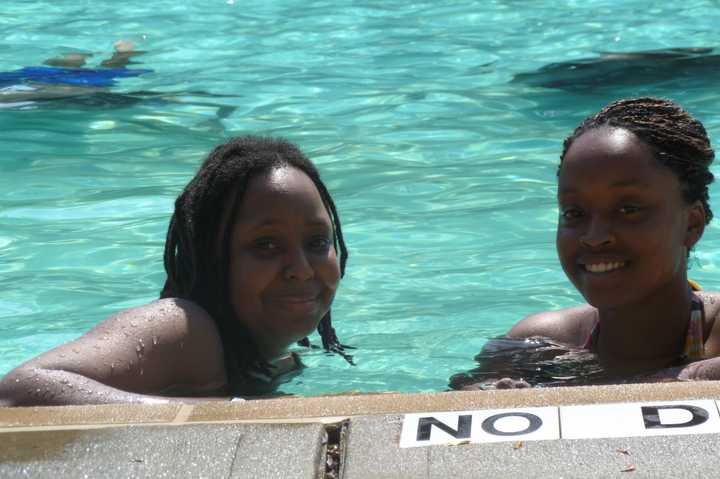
167, 347
568, 326
176, 330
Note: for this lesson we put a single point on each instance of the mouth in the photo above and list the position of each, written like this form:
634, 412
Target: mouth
299, 299
604, 266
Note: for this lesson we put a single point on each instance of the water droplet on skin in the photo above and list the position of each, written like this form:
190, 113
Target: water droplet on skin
17, 380
155, 340
141, 372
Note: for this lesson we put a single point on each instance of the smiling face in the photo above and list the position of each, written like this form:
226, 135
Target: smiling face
624, 228
283, 265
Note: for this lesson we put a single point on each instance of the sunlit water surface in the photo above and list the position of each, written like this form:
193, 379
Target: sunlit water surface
442, 167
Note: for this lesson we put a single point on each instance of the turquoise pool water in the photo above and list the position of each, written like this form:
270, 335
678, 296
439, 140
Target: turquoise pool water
442, 166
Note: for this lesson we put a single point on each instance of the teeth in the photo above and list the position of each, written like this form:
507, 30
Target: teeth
603, 267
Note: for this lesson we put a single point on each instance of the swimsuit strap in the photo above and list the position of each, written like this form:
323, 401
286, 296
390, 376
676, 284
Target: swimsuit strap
695, 339
694, 349
592, 339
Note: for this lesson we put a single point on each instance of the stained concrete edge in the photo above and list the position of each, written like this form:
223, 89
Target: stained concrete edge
283, 451
313, 409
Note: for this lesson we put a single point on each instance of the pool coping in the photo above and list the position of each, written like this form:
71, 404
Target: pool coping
333, 408
365, 427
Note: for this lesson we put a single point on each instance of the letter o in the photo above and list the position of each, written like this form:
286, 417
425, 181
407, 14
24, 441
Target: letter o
488, 425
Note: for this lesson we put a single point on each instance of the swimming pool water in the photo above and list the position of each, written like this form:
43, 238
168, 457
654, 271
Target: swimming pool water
442, 167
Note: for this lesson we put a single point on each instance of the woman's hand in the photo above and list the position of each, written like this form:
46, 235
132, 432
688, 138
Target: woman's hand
503, 383
705, 370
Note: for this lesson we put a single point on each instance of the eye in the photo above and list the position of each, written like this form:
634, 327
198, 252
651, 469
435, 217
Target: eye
320, 243
266, 245
630, 209
571, 213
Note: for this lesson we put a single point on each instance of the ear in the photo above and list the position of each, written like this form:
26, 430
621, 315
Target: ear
695, 225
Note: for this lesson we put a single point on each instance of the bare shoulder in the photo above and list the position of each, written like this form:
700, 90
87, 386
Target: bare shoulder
171, 319
169, 344
570, 326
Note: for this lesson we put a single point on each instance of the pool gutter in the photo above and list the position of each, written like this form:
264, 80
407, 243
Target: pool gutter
369, 442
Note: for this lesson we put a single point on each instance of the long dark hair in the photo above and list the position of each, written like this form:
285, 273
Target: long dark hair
193, 269
678, 141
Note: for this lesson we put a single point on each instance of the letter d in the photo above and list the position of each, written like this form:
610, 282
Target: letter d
651, 416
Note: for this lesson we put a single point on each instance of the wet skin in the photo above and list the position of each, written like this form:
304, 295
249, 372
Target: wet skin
624, 228
624, 231
283, 276
284, 270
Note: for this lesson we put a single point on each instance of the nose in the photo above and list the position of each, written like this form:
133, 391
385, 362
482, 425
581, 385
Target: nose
598, 234
297, 266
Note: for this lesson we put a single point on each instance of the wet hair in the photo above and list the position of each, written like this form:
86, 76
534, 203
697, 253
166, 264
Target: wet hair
678, 141
204, 214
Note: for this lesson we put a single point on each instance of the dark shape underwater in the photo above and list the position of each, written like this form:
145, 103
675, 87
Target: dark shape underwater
627, 69
90, 89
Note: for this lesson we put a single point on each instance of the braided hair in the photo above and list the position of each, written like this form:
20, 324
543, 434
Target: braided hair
195, 273
677, 140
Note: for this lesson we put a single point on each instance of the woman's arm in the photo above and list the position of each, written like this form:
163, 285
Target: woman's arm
134, 356
503, 362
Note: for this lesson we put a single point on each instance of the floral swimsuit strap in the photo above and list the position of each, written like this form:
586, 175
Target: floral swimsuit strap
694, 349
695, 339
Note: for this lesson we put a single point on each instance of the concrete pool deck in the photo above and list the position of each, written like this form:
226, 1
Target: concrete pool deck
288, 438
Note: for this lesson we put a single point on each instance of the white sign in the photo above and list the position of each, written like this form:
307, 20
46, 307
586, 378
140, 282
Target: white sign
657, 418
494, 425
662, 418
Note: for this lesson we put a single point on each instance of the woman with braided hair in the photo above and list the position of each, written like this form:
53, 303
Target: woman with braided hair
252, 267
633, 201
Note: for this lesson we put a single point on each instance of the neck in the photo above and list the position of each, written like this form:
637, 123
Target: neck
272, 352
649, 333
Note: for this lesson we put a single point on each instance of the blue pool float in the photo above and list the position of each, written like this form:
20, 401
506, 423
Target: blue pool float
102, 77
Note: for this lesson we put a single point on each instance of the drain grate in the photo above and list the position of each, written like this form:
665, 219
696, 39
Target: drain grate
335, 449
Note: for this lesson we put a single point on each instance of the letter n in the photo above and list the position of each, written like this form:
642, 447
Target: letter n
463, 430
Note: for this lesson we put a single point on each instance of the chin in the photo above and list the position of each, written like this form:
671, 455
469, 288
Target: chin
303, 328
609, 299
